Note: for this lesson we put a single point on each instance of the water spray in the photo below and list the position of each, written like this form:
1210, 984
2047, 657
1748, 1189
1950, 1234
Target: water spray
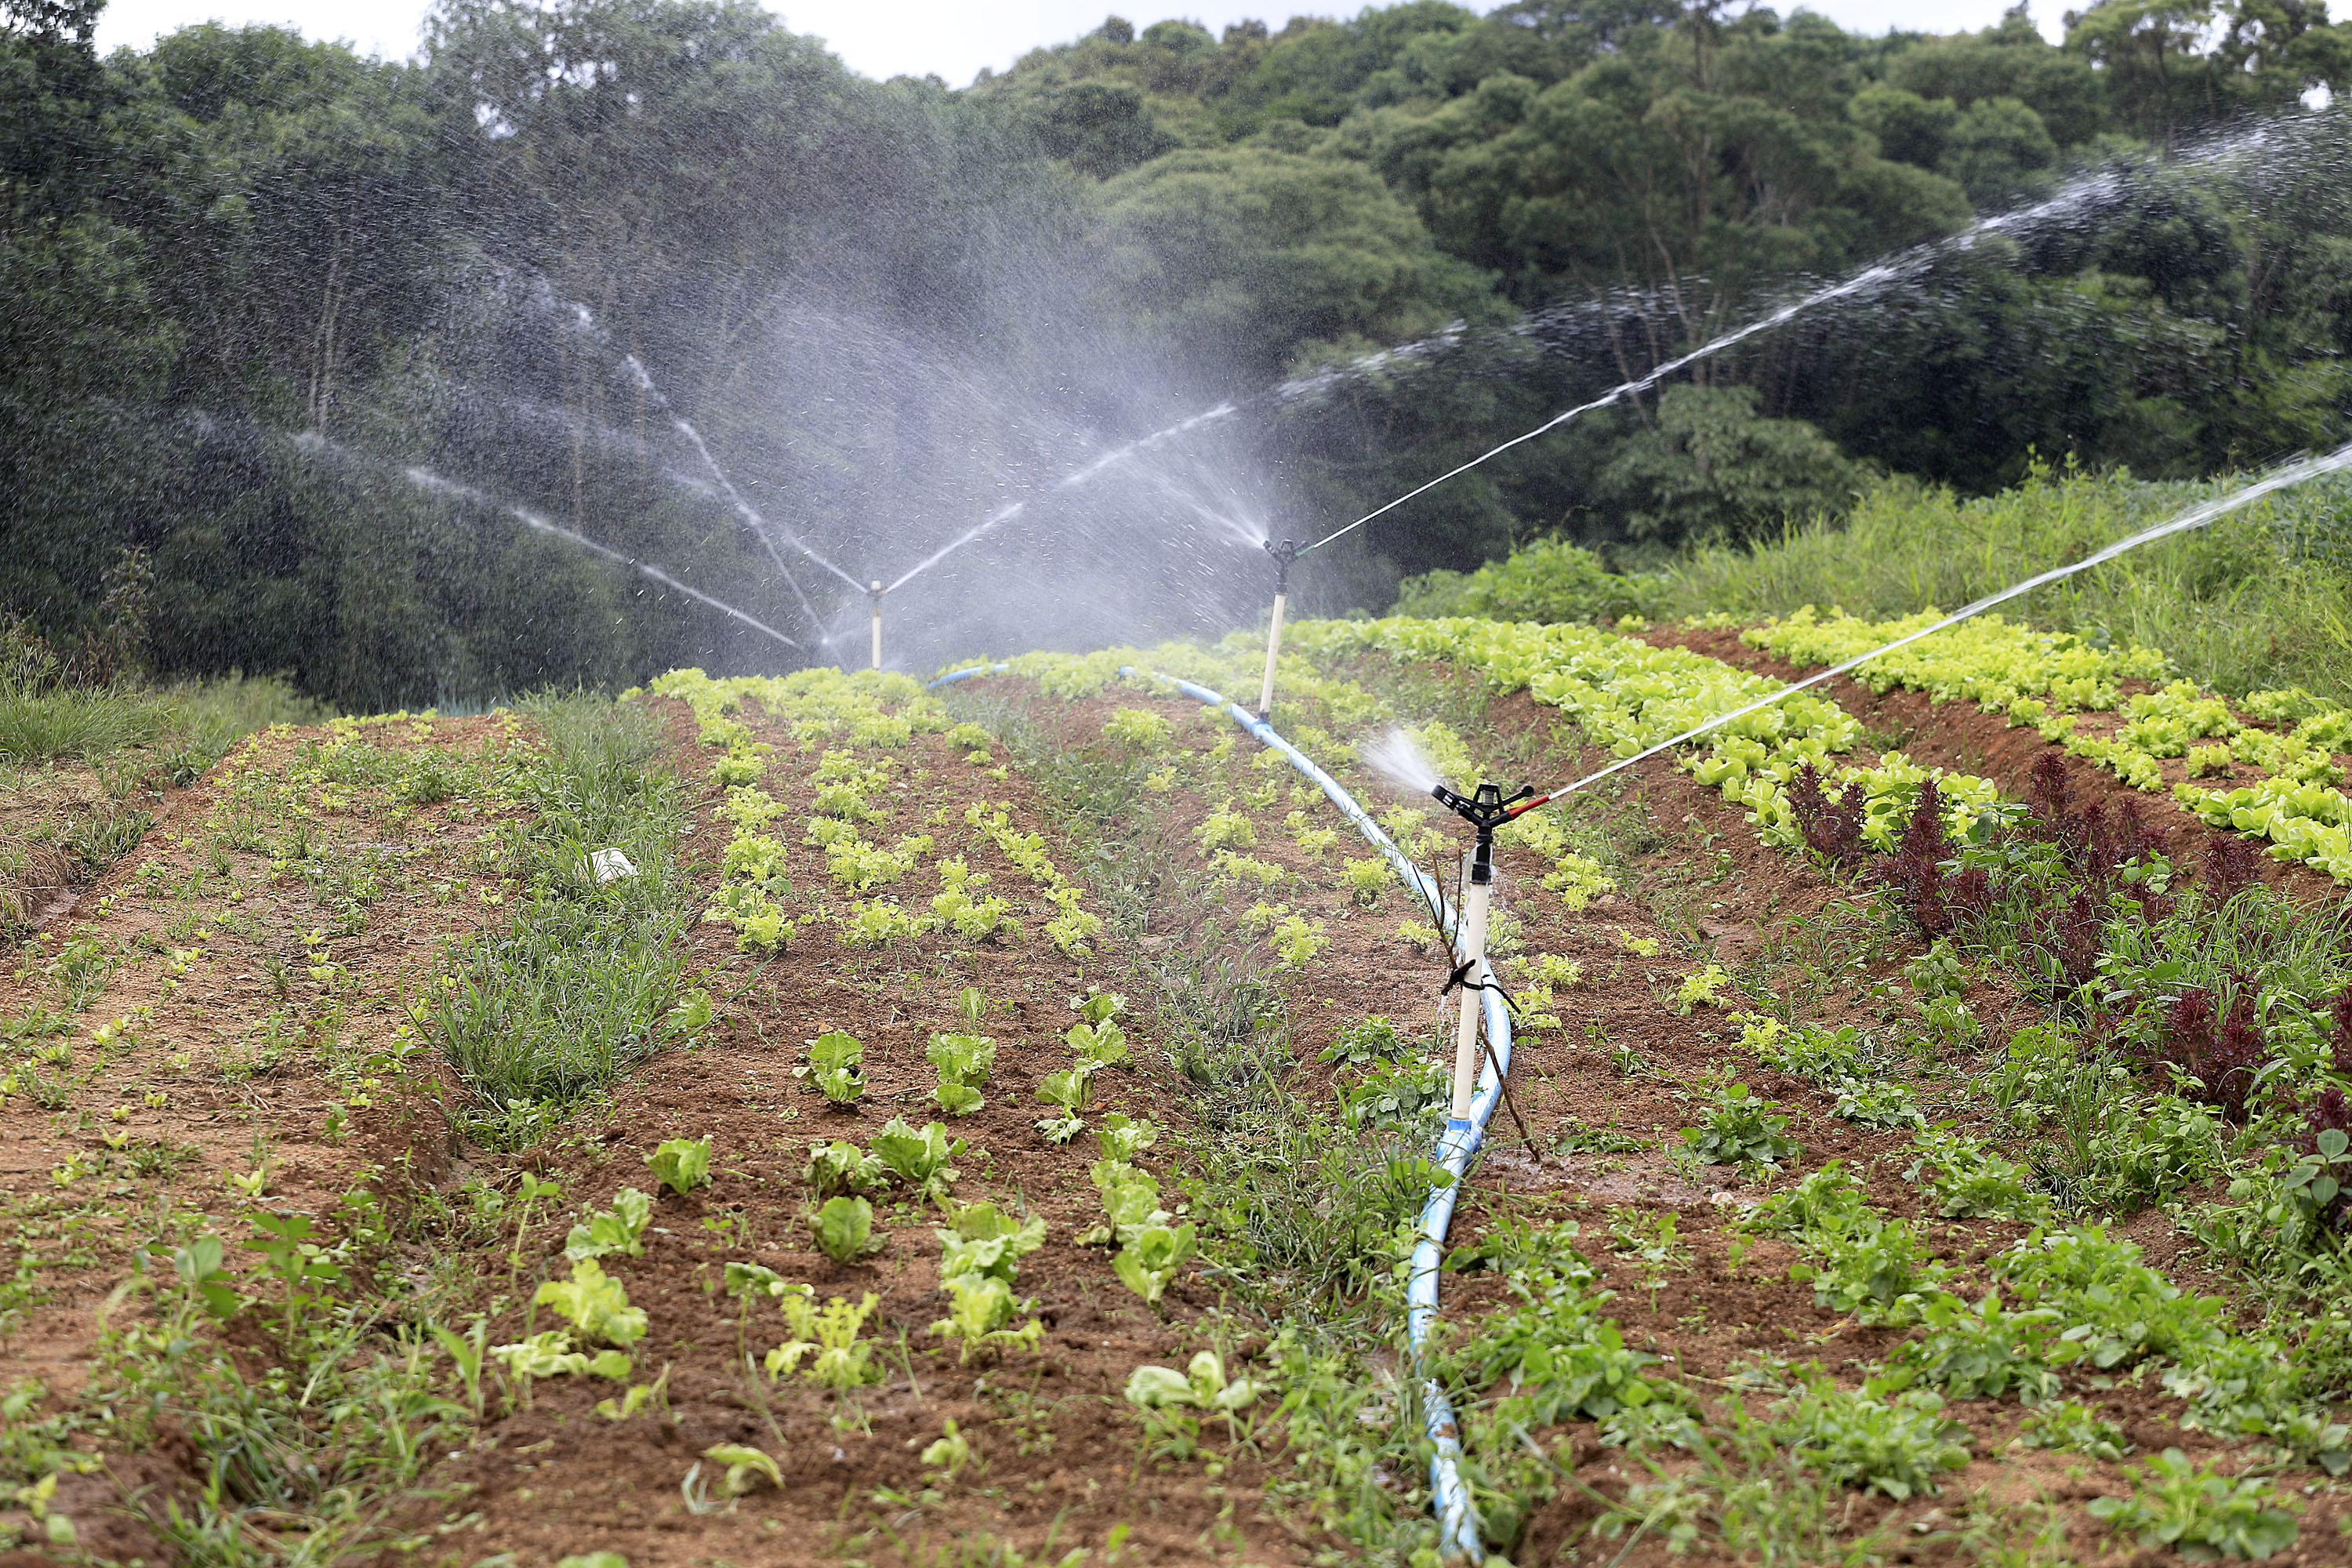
1486, 809
875, 592
1284, 554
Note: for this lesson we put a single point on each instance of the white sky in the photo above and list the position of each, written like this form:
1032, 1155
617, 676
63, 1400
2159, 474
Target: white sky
953, 38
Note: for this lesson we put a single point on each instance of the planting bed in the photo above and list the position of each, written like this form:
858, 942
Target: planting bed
1872, 1186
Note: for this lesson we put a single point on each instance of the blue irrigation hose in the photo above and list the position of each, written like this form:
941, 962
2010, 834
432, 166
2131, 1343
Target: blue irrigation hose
952, 676
1457, 1518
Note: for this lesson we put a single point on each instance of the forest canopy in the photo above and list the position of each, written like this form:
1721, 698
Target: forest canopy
258, 284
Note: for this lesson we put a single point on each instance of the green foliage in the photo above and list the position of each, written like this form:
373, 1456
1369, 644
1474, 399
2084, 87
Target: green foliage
918, 1158
1122, 1137
963, 1062
826, 1339
1969, 1181
1741, 1129
619, 1229
1548, 580
834, 1062
982, 1307
1245, 254
982, 1240
844, 1228
1151, 1260
1552, 1355
1373, 1039
2114, 1305
745, 1465
2176, 1505
1984, 1351
1140, 727
839, 1167
1171, 1403
1895, 1443
586, 982
595, 1305
681, 1165
2072, 1427
1859, 1261
1711, 469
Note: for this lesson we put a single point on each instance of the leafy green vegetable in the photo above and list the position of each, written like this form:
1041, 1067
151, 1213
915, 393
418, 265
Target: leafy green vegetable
1122, 1138
549, 1355
1742, 1130
919, 1158
834, 1060
596, 1305
963, 1062
619, 1229
744, 1466
839, 1167
844, 1230
983, 1305
1153, 1257
682, 1164
2175, 1504
986, 1241
826, 1339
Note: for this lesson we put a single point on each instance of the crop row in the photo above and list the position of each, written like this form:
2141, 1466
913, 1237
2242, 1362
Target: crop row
2049, 680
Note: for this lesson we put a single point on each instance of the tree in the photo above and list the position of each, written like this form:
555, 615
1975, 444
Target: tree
1711, 469
1249, 258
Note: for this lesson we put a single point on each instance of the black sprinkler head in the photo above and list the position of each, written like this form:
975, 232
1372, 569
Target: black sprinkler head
875, 591
1486, 809
1284, 554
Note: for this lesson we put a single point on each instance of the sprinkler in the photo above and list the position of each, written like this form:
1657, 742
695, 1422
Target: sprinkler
1486, 810
1284, 554
876, 593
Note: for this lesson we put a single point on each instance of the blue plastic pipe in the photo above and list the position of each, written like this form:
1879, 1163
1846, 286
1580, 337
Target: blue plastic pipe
1457, 1519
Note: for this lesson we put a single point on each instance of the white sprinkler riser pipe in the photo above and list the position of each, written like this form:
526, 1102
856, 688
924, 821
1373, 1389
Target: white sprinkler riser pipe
1476, 900
1273, 648
877, 634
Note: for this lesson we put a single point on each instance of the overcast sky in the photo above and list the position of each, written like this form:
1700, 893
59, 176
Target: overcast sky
952, 38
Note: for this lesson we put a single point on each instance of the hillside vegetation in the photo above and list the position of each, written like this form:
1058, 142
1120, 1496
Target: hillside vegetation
240, 237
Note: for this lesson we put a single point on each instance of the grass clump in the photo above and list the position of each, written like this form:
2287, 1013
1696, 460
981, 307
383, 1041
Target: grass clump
585, 981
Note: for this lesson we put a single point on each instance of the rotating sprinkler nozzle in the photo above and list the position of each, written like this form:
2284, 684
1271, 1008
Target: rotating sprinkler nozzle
1284, 554
875, 592
1486, 809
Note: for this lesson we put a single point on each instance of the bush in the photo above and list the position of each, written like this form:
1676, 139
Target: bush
1550, 580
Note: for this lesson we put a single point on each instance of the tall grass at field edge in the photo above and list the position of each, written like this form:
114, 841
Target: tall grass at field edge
2261, 599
